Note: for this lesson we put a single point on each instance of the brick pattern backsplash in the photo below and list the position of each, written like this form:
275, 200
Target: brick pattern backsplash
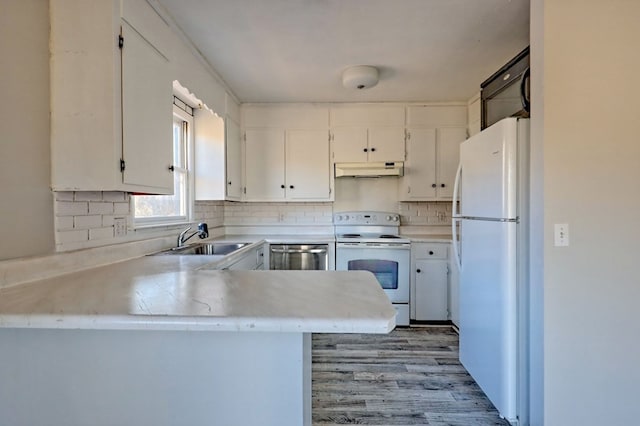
278, 213
85, 219
88, 215
211, 212
425, 213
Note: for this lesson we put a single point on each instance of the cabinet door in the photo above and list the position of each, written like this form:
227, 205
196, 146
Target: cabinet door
264, 164
431, 290
146, 114
454, 293
307, 165
349, 144
234, 161
420, 169
449, 140
386, 144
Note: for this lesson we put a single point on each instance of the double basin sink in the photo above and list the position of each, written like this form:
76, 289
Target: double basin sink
210, 249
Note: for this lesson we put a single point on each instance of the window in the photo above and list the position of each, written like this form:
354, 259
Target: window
164, 209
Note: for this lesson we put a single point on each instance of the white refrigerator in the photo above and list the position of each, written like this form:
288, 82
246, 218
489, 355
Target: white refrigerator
491, 254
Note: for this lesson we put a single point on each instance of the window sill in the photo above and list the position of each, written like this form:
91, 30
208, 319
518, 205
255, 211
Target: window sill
159, 225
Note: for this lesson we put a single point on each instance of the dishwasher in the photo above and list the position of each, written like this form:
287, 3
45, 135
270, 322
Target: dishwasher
299, 257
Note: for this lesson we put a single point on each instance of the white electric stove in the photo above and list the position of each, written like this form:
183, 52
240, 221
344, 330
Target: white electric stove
369, 240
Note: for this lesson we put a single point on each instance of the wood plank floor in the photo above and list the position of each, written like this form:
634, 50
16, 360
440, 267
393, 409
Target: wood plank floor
411, 376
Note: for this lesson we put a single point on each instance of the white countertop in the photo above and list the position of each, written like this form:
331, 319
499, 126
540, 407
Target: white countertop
428, 238
280, 238
171, 293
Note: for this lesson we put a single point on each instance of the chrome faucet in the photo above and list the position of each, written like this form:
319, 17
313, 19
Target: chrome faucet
202, 233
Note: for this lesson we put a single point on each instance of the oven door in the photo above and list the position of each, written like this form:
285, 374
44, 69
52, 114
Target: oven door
390, 265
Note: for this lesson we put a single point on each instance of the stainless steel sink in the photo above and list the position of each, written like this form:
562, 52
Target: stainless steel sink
220, 249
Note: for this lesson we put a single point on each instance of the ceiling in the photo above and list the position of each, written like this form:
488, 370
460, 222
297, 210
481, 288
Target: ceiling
296, 50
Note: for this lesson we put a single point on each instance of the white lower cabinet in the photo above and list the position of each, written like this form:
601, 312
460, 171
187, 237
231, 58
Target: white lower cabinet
429, 281
253, 259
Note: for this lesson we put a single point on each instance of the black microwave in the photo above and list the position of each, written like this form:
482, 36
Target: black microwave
506, 92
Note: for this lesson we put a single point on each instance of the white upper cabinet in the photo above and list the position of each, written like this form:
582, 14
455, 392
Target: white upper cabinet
286, 151
264, 165
447, 159
209, 158
367, 133
386, 143
307, 165
290, 165
350, 144
234, 160
433, 146
420, 168
147, 105
110, 105
373, 144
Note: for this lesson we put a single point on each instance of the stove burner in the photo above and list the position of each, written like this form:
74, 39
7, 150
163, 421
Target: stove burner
388, 236
351, 235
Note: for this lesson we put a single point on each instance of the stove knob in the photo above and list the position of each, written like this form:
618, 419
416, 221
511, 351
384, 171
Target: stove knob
346, 217
395, 218
338, 218
389, 218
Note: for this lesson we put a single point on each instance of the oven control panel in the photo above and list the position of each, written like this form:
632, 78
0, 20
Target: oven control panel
366, 218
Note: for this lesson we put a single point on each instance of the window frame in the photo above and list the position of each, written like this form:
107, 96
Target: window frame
189, 199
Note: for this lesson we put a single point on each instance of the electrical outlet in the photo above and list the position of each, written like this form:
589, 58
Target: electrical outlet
120, 227
561, 235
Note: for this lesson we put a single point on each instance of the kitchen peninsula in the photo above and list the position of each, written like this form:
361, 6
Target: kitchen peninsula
161, 340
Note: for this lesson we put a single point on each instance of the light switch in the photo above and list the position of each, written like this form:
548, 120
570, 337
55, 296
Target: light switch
561, 235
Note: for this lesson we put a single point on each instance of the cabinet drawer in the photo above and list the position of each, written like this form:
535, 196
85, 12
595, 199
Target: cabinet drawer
430, 250
260, 257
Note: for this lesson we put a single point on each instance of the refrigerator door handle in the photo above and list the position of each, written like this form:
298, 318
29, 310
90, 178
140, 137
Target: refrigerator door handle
455, 219
489, 219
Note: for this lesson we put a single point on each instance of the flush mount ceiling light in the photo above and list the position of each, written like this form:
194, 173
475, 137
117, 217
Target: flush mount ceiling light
360, 77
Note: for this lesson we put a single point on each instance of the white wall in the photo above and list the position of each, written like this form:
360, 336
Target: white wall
377, 194
591, 158
26, 207
536, 219
474, 111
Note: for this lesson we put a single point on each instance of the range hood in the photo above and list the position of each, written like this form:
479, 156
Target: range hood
369, 169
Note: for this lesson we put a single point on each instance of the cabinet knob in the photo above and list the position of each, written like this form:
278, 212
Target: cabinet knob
433, 185
443, 185
282, 186
290, 186
171, 168
418, 270
229, 182
431, 252
365, 150
373, 149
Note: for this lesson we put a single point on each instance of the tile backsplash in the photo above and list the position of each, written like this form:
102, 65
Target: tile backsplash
425, 213
85, 219
82, 217
278, 213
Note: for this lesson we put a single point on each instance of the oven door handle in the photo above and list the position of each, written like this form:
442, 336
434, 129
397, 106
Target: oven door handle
374, 246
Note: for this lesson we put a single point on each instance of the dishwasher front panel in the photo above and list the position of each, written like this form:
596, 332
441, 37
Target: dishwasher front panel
299, 257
